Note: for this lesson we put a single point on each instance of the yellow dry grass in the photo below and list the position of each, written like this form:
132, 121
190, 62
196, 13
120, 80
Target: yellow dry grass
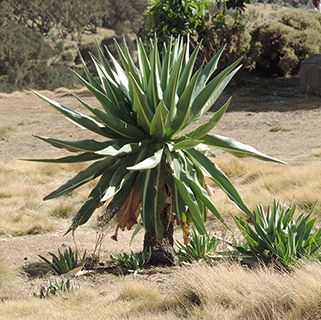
6, 271
236, 293
261, 183
196, 292
23, 185
4, 130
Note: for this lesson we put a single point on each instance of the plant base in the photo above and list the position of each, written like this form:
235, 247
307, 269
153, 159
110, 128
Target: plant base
162, 251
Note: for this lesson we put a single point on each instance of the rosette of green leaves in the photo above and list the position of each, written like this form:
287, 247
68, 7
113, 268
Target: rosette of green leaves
145, 108
276, 236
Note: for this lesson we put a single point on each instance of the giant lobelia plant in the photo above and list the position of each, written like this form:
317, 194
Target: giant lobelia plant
147, 164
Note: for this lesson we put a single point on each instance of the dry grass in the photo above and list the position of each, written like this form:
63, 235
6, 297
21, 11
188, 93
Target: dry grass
197, 292
6, 271
316, 152
258, 182
23, 185
4, 130
232, 292
62, 210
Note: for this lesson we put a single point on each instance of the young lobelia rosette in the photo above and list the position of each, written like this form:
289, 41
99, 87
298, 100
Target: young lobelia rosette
148, 164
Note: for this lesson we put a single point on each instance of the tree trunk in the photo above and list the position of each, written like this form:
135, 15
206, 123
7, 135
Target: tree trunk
162, 251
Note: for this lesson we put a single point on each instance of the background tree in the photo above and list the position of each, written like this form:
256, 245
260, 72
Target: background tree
176, 17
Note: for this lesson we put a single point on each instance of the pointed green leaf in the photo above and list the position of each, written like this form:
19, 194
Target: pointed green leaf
144, 64
159, 121
140, 105
150, 162
154, 90
207, 97
83, 157
187, 71
121, 175
77, 117
93, 201
208, 71
236, 148
185, 191
77, 146
118, 126
218, 177
90, 173
170, 93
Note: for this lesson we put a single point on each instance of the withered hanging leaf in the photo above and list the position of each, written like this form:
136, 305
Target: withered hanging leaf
185, 229
128, 213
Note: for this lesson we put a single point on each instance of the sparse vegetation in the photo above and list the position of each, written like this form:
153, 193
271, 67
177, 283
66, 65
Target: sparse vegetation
6, 271
224, 292
55, 288
276, 236
65, 262
4, 130
199, 247
62, 211
279, 245
132, 261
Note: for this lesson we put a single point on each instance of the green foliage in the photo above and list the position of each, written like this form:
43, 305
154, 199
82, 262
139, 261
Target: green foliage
199, 247
272, 45
237, 4
55, 288
19, 67
24, 61
176, 17
65, 17
133, 261
124, 16
277, 237
66, 261
145, 160
279, 45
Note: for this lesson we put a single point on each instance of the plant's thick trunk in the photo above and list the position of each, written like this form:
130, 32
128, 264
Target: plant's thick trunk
162, 251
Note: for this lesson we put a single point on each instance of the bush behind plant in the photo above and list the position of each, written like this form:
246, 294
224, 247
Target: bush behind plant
279, 45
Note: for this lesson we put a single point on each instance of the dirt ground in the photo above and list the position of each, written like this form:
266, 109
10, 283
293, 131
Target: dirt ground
271, 115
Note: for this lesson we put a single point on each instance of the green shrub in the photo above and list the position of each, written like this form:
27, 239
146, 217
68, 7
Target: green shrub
176, 17
280, 44
133, 261
199, 248
25, 61
276, 236
66, 261
147, 166
124, 16
24, 54
55, 288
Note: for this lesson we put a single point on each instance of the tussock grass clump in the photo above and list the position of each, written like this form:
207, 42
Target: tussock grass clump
233, 292
134, 290
22, 223
62, 210
227, 292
